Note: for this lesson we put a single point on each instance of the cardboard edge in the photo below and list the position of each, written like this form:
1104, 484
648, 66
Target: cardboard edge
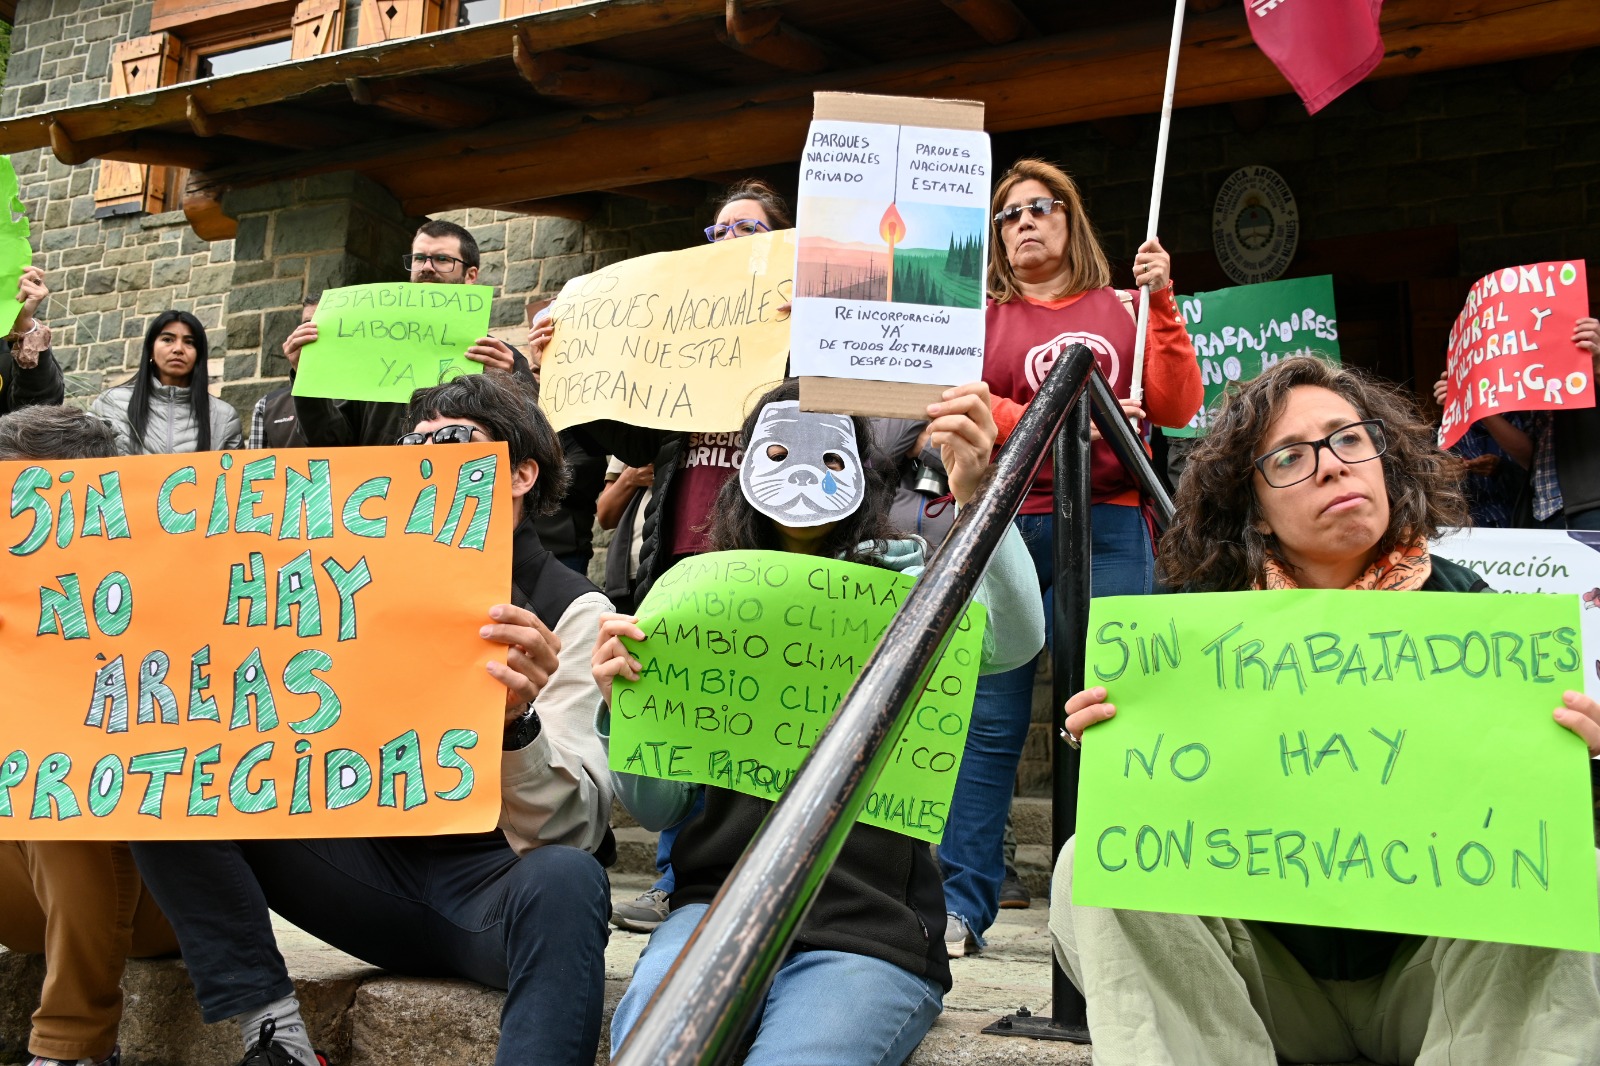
898, 110
872, 399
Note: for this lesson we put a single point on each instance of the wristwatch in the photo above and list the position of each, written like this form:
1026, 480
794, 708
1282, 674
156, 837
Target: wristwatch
522, 732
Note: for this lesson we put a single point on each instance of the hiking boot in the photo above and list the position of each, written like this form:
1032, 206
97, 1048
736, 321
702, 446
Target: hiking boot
641, 915
958, 938
1013, 893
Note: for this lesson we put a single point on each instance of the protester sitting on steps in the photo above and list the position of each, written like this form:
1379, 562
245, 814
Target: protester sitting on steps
79, 903
689, 470
1316, 477
867, 974
166, 407
521, 908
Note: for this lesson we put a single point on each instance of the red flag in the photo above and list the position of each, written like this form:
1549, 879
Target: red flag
1321, 46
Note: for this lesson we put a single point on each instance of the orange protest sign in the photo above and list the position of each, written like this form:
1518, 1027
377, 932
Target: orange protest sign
252, 644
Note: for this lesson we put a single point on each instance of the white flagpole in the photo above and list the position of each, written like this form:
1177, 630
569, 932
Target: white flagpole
1136, 386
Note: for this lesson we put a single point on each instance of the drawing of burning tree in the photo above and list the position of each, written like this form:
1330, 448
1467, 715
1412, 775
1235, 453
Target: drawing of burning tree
907, 253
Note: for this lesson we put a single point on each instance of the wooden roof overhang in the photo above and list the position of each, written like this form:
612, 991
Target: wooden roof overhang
648, 96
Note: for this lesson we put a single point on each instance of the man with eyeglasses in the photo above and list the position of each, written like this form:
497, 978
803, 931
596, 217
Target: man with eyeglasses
442, 253
523, 907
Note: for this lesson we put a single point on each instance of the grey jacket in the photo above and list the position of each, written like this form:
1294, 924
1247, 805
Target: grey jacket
171, 427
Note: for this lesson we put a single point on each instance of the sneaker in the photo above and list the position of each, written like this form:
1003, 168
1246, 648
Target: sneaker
641, 915
1013, 893
268, 1052
958, 938
113, 1059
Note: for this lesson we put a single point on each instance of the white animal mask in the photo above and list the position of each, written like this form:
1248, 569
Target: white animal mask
802, 468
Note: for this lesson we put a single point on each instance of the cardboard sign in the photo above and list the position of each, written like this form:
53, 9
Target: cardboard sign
15, 251
746, 657
1538, 560
1511, 347
1239, 332
1320, 758
893, 220
684, 340
383, 342
252, 644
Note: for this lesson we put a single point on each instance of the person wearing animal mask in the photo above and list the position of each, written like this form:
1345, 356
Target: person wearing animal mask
868, 955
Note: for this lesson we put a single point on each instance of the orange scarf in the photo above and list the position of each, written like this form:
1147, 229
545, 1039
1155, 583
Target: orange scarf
1404, 569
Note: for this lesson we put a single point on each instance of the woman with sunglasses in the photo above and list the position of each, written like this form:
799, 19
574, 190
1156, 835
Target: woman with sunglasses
1316, 477
1050, 287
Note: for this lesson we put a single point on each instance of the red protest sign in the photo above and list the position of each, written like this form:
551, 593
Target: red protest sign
1511, 348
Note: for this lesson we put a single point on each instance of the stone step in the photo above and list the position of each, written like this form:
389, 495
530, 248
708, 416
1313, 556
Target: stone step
1030, 820
362, 1016
636, 853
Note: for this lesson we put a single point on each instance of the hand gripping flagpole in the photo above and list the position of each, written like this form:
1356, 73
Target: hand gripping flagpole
1136, 386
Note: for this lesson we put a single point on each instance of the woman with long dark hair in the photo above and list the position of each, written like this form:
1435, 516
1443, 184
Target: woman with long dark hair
166, 407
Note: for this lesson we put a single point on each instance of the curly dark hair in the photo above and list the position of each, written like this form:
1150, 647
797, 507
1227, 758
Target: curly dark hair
857, 538
1214, 546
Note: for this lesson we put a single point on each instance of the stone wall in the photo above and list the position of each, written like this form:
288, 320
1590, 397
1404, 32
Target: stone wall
109, 276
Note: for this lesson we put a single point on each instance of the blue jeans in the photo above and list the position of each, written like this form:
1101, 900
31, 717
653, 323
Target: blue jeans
450, 906
668, 881
825, 1008
1562, 520
972, 854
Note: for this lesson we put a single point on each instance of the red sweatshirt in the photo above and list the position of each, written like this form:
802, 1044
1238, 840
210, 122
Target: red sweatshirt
1024, 338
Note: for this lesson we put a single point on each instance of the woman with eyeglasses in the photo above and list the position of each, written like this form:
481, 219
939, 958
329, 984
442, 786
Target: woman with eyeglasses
166, 407
1316, 477
1050, 287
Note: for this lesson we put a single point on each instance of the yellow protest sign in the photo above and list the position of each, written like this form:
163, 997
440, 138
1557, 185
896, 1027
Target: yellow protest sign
677, 340
252, 644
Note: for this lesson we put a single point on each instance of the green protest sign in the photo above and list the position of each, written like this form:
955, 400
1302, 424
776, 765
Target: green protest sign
1349, 759
1241, 331
382, 342
15, 251
746, 657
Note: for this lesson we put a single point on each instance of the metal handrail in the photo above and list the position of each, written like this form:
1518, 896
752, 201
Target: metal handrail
702, 1010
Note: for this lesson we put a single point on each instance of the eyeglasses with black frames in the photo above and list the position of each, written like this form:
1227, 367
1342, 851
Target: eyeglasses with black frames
455, 433
1039, 205
739, 227
1359, 442
442, 264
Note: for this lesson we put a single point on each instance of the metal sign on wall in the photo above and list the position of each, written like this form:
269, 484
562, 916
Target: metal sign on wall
1255, 225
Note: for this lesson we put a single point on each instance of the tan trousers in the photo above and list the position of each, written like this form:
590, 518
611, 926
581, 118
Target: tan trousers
1165, 989
82, 905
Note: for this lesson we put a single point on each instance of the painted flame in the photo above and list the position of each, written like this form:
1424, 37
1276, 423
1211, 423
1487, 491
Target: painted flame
893, 228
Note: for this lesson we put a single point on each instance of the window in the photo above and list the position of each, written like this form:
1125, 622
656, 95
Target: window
477, 12
233, 60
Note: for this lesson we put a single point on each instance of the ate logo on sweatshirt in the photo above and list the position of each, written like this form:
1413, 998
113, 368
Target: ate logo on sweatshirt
1040, 359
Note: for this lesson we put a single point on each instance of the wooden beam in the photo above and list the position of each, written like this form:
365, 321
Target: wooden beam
1028, 85
763, 35
286, 127
430, 54
683, 193
203, 209
587, 82
436, 104
996, 21
152, 147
